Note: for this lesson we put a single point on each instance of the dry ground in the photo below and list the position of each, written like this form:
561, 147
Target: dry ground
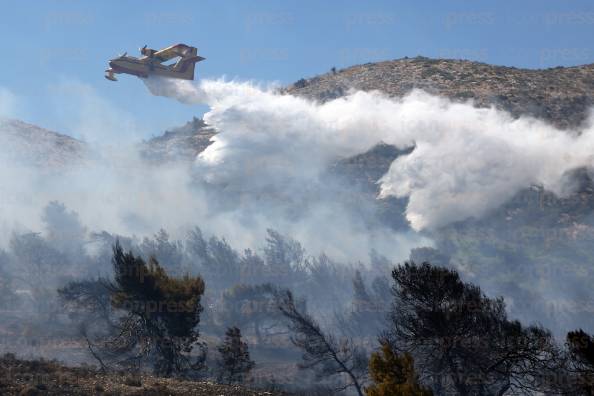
40, 377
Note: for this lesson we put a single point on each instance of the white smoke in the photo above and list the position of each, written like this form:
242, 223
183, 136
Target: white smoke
267, 168
113, 189
466, 160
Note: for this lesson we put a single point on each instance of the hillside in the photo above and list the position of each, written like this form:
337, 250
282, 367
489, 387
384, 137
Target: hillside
559, 95
178, 144
27, 143
562, 96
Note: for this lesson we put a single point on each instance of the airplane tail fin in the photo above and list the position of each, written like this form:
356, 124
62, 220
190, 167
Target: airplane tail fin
186, 65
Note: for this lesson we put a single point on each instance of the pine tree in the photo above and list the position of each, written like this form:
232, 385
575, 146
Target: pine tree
235, 362
361, 299
251, 306
162, 313
323, 352
367, 314
394, 375
581, 349
434, 315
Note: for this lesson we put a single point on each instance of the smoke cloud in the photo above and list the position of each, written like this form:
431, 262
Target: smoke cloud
113, 188
268, 168
466, 161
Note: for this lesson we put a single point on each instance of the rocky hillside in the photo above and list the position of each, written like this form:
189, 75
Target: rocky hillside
26, 143
178, 144
562, 96
29, 144
559, 95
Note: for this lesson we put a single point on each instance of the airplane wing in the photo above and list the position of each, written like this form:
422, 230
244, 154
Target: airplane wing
173, 51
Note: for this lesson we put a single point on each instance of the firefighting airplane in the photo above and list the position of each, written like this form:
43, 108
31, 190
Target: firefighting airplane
152, 63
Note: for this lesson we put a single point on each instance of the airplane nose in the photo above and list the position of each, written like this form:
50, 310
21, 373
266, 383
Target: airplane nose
114, 64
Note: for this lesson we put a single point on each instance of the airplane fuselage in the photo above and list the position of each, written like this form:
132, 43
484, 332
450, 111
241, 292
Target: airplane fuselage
152, 63
142, 69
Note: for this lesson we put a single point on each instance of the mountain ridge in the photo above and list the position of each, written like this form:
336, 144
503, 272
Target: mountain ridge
560, 95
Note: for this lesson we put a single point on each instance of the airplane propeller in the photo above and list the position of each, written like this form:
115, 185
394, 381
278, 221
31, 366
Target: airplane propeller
142, 49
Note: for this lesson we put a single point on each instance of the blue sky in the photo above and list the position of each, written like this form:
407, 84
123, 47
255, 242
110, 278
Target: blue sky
56, 51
